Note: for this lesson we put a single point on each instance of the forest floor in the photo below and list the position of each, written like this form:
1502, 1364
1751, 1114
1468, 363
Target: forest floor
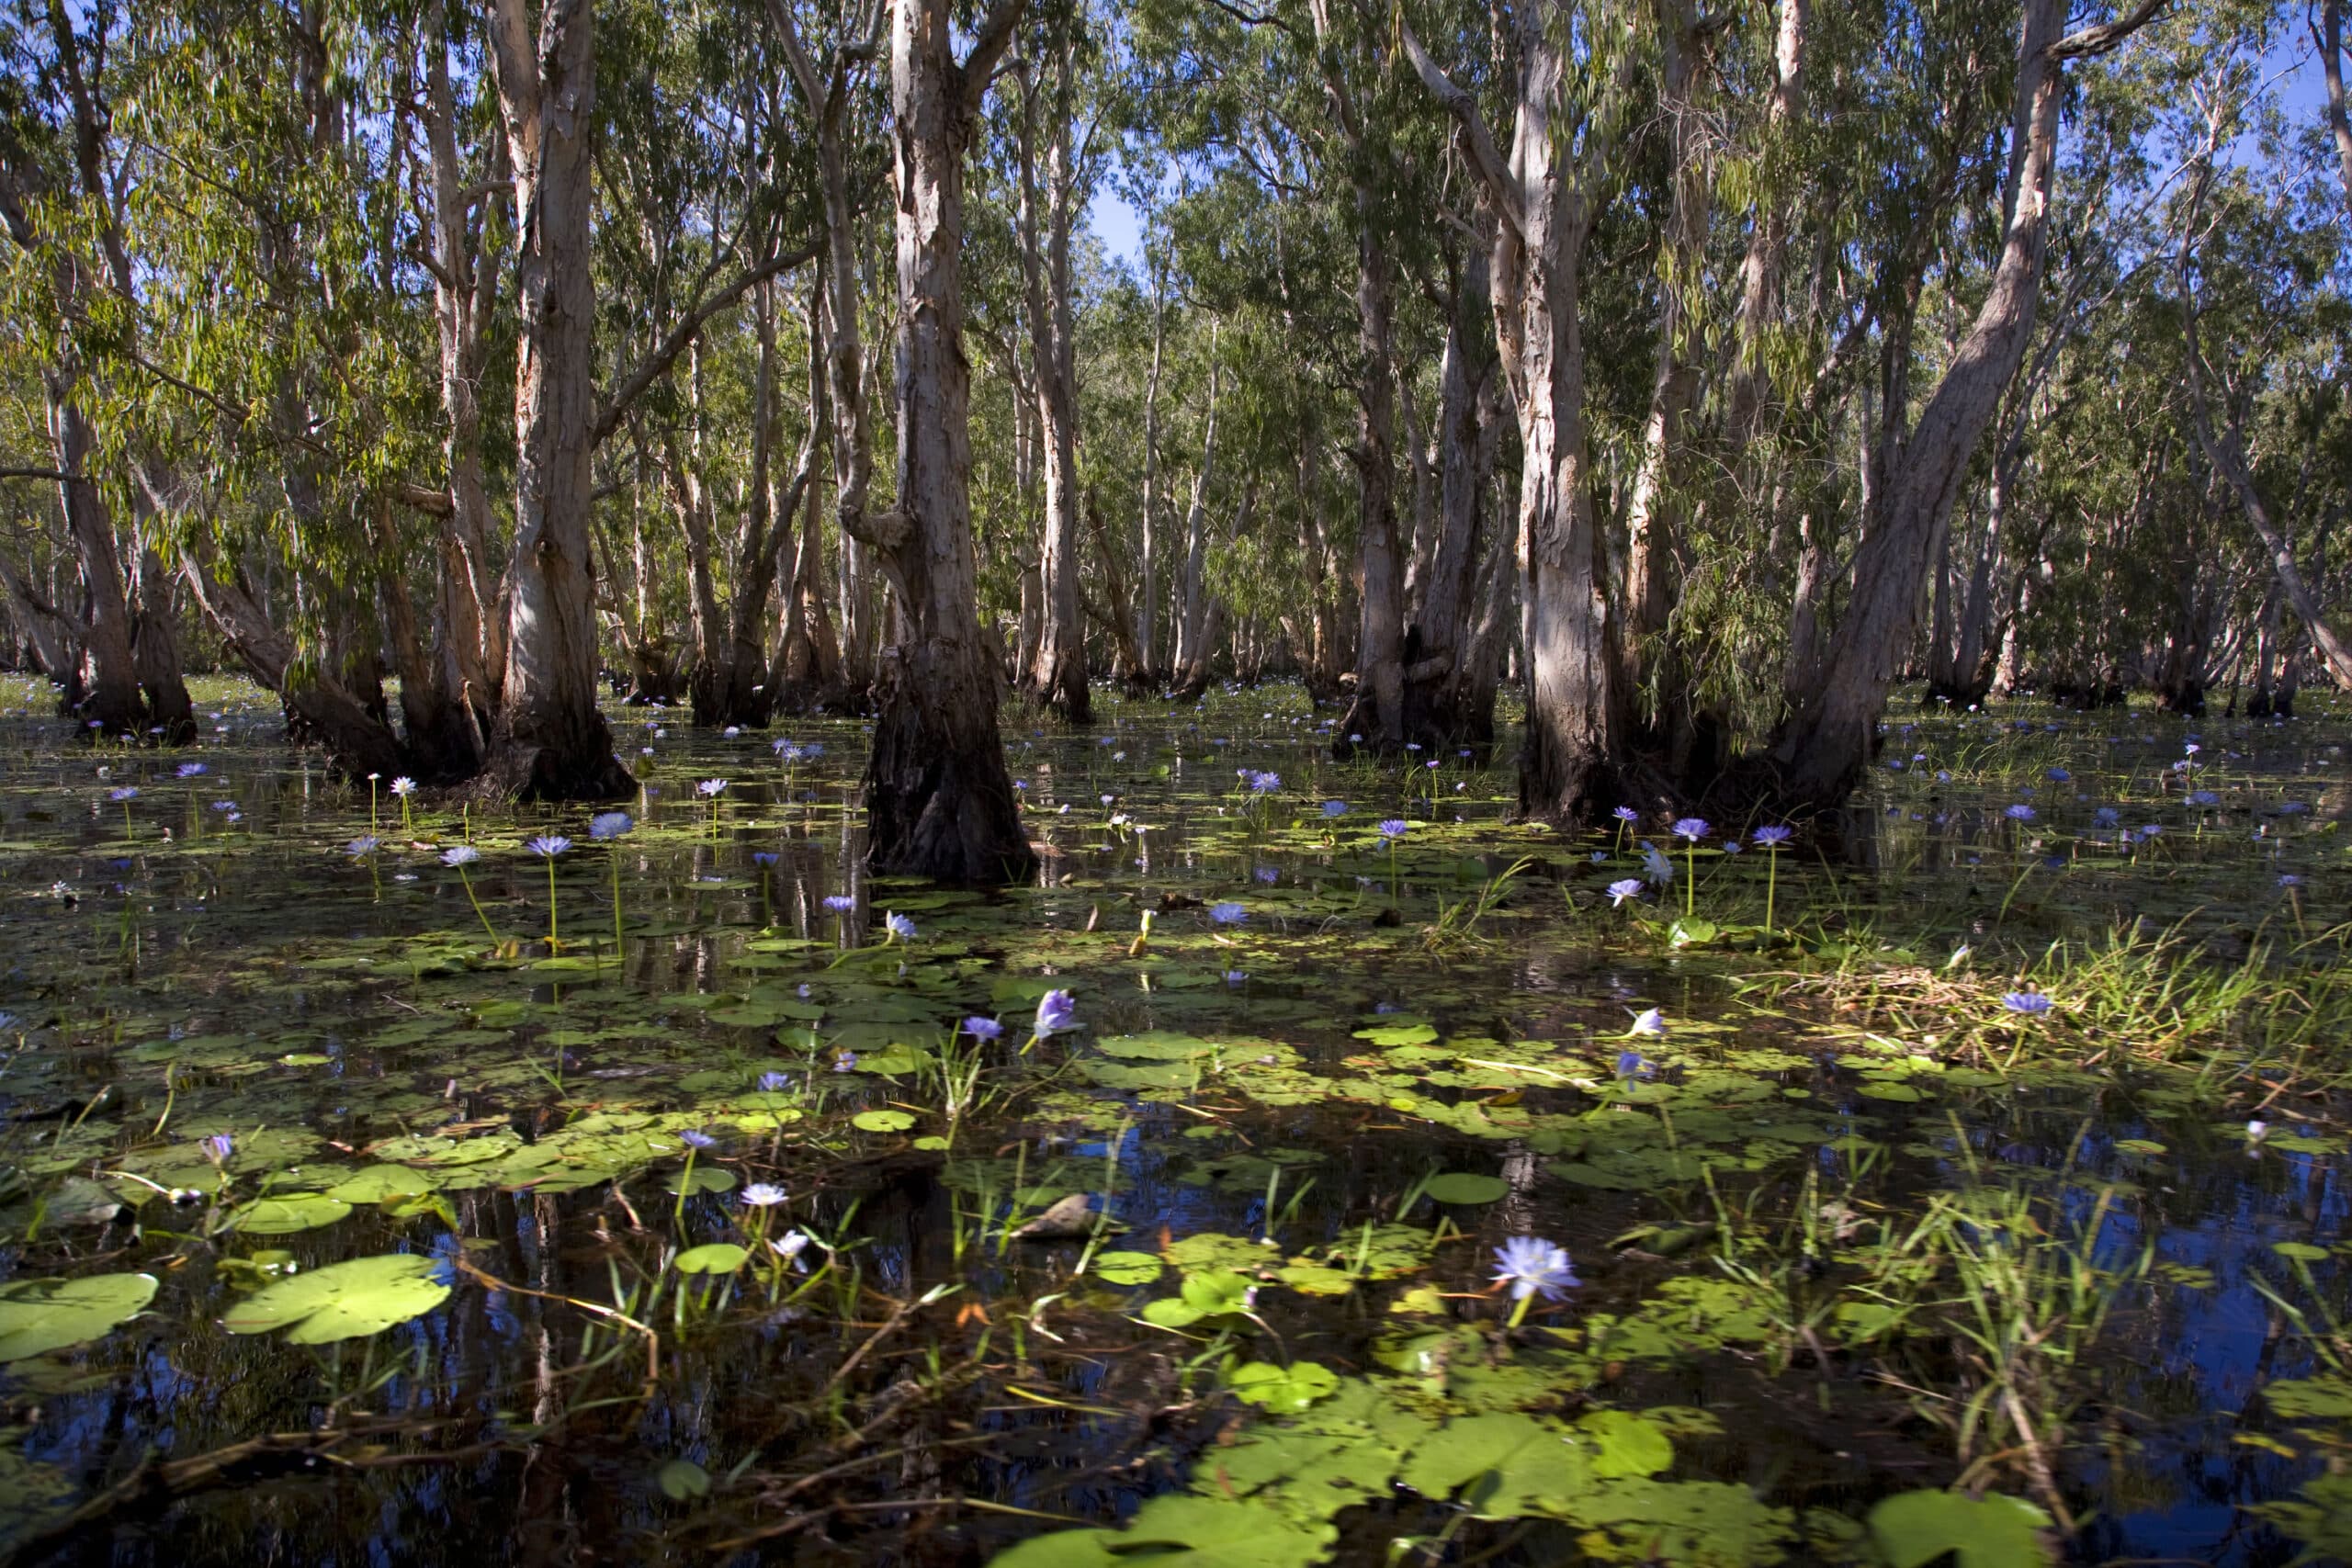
377, 1188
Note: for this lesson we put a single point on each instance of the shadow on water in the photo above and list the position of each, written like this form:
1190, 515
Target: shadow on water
1289, 1026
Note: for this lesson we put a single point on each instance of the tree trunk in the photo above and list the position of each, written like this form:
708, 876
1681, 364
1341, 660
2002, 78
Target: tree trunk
1376, 718
51, 635
1448, 699
1120, 620
1148, 670
470, 634
1204, 612
110, 679
1193, 592
318, 705
827, 96
2225, 447
938, 801
1057, 671
551, 740
1824, 746
1759, 270
1651, 522
107, 690
1576, 762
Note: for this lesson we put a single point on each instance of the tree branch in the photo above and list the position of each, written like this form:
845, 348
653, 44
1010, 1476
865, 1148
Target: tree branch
666, 354
1477, 142
2092, 41
988, 47
804, 70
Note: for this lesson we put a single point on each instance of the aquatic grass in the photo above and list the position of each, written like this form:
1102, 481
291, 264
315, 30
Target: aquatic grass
1456, 927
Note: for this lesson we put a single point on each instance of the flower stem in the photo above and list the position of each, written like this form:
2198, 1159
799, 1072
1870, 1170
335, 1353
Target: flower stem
488, 929
616, 903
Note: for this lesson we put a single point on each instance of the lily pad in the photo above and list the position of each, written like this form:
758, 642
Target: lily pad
1915, 1528
286, 1216
39, 1316
1464, 1187
343, 1300
1282, 1389
1128, 1268
715, 1258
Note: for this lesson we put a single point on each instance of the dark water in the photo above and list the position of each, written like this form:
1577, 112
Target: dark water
1297, 1073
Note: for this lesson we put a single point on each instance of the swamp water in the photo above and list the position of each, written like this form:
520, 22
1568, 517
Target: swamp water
345, 1218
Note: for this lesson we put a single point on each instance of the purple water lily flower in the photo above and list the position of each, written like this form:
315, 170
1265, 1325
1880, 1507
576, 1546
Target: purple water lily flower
1056, 1010
1531, 1266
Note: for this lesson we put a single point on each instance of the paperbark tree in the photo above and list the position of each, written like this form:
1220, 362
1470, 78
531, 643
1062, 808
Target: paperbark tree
1651, 513
1823, 746
1577, 761
2223, 440
468, 666
1376, 719
550, 739
122, 688
938, 801
826, 91
1056, 673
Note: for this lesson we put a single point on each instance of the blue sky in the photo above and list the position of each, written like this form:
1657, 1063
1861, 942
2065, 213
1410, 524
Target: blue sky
1118, 225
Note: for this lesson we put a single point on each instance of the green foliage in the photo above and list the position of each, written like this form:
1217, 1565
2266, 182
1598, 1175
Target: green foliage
40, 1315
351, 1300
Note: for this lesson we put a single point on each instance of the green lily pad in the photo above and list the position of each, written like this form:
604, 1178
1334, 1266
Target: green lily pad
1464, 1187
1128, 1268
379, 1183
1915, 1528
1214, 1293
40, 1315
715, 1258
1625, 1444
701, 1179
883, 1120
1283, 1389
682, 1479
343, 1300
285, 1216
